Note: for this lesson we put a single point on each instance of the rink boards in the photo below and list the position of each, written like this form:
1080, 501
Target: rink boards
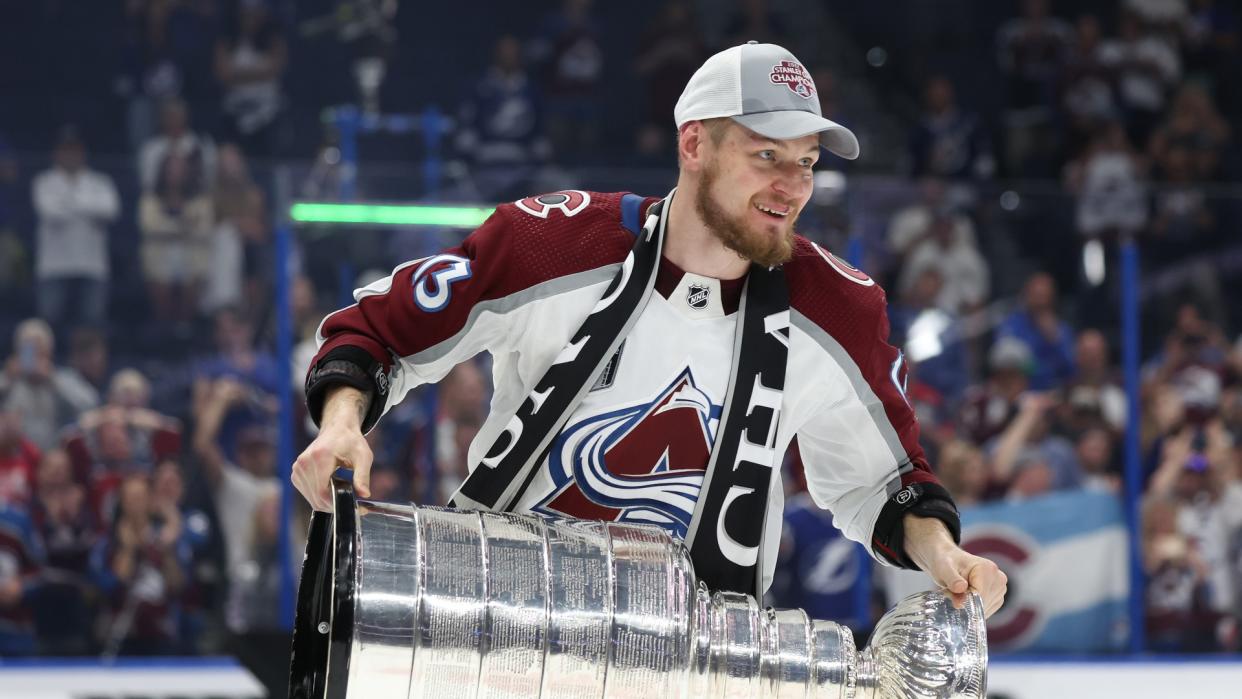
193, 678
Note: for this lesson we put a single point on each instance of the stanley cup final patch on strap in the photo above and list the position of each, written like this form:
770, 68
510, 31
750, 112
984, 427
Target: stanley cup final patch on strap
726, 534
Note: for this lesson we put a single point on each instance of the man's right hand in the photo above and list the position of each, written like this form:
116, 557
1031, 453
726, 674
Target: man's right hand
340, 443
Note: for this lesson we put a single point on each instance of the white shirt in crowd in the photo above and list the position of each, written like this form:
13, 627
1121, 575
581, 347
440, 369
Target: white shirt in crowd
73, 210
963, 271
1148, 65
156, 149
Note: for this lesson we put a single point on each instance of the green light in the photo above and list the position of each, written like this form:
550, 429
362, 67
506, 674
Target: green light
390, 214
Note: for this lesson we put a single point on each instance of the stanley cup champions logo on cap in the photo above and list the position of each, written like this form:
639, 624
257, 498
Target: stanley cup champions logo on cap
793, 76
766, 89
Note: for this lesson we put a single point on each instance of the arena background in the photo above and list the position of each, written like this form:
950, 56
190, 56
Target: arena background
1048, 191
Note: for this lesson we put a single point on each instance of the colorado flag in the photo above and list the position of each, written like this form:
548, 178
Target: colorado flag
1065, 555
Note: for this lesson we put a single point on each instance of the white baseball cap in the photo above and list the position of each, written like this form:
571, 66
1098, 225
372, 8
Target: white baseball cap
764, 88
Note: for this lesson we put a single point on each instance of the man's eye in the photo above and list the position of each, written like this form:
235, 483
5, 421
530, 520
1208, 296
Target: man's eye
767, 155
807, 162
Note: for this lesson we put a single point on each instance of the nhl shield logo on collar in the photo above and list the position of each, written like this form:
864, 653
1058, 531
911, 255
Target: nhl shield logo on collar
697, 296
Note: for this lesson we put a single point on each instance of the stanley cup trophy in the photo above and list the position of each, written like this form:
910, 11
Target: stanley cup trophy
400, 601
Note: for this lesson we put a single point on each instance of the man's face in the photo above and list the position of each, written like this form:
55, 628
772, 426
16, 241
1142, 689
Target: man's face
1092, 351
1041, 293
256, 456
752, 189
70, 156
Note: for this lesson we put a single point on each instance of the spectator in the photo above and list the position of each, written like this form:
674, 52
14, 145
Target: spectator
461, 409
1209, 43
204, 577
254, 591
669, 52
1193, 341
122, 437
252, 613
1038, 325
1087, 97
1198, 470
250, 60
1179, 615
1147, 66
307, 313
19, 459
176, 220
20, 563
237, 359
152, 71
1096, 454
237, 486
1107, 180
1195, 133
240, 229
140, 566
86, 372
568, 49
912, 224
32, 387
14, 250
501, 132
963, 271
964, 472
67, 600
175, 139
1159, 16
988, 408
1184, 224
1094, 397
1027, 458
74, 204
1033, 50
931, 336
948, 142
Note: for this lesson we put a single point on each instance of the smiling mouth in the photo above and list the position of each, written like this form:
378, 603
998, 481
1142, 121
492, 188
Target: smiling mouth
776, 212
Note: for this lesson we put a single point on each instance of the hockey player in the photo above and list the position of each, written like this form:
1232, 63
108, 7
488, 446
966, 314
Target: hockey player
653, 358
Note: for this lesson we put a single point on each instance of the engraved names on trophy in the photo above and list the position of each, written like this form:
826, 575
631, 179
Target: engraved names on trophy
644, 634
448, 654
516, 608
579, 567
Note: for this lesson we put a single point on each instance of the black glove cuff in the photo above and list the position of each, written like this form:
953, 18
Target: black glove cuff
348, 366
923, 500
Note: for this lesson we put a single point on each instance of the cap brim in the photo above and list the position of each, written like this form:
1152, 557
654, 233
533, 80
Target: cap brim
796, 124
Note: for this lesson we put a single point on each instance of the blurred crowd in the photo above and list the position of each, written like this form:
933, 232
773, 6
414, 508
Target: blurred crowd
139, 391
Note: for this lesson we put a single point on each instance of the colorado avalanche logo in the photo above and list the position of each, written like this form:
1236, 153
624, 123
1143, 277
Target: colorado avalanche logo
793, 76
642, 463
1019, 621
568, 202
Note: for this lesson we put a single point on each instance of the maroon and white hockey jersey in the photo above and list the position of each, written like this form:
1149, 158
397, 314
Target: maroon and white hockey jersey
636, 447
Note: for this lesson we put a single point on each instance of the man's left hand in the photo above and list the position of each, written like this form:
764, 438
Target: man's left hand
930, 546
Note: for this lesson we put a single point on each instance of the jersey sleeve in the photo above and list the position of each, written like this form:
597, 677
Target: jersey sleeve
861, 452
413, 326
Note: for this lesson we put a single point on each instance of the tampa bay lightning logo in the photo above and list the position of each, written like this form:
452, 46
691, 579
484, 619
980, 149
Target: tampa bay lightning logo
641, 463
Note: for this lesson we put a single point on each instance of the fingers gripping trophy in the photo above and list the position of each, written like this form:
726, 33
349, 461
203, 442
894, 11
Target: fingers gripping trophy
640, 346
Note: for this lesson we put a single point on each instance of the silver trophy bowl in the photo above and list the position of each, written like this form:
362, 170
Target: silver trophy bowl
402, 601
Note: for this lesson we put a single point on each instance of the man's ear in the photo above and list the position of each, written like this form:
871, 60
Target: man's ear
691, 141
